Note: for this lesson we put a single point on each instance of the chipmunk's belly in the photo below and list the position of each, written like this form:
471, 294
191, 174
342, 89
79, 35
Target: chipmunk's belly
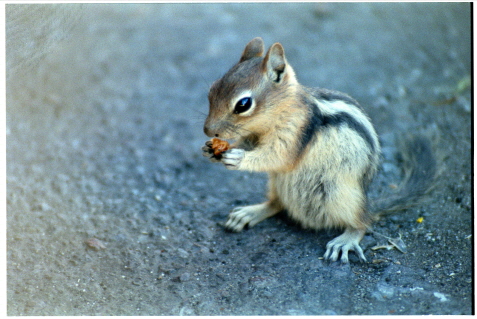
305, 199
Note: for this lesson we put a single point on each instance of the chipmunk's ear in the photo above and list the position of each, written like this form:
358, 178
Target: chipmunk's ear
274, 64
253, 49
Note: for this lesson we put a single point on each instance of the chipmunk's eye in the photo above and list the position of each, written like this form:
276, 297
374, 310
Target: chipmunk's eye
243, 105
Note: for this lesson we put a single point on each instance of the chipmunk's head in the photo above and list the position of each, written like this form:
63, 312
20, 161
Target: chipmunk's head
243, 101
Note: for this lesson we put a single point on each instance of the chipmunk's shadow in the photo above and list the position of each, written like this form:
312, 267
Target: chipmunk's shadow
295, 227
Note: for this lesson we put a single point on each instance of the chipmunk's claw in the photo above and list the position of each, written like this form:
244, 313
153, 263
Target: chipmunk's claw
349, 240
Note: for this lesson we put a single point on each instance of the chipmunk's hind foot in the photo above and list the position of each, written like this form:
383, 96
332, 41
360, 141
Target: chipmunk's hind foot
349, 240
249, 215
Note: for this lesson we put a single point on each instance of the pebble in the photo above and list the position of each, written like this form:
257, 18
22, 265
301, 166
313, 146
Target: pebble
440, 296
182, 253
95, 244
184, 277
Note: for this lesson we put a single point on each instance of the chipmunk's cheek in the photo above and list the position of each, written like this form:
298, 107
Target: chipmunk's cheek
229, 135
232, 158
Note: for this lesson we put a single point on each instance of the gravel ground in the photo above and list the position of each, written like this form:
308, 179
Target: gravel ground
112, 210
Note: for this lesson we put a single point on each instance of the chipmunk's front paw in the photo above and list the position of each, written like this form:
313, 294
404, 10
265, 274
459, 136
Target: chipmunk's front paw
208, 152
249, 215
233, 157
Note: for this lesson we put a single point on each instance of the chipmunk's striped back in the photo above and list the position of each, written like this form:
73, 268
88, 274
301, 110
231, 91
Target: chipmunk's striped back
339, 154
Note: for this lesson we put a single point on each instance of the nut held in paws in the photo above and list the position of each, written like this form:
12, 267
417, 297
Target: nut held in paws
219, 146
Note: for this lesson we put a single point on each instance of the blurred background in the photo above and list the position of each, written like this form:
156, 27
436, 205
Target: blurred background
105, 107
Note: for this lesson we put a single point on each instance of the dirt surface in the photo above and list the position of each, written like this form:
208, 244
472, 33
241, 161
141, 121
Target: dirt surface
112, 210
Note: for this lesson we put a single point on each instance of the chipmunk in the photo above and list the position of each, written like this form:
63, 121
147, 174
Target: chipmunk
318, 147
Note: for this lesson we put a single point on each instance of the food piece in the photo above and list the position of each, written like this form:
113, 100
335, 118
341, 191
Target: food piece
219, 146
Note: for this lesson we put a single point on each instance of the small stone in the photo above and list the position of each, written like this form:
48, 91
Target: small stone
183, 253
386, 291
440, 296
184, 277
95, 244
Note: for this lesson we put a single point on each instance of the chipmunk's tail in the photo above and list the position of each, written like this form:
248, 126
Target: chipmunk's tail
420, 169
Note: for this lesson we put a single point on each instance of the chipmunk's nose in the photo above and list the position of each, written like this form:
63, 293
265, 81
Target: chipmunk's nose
210, 132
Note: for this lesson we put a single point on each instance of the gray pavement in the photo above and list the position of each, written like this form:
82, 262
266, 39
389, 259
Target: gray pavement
105, 106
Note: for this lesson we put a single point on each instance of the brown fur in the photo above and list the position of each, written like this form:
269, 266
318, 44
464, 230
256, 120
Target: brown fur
318, 146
